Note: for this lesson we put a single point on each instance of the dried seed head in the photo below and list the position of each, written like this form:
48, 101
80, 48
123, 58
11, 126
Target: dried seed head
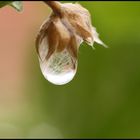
59, 39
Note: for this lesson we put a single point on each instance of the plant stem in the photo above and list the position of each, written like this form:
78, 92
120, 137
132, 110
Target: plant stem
55, 6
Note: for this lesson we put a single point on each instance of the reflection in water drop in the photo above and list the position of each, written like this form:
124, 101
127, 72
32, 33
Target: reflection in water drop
60, 68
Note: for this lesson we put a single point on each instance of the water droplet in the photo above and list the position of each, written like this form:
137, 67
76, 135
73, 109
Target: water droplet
60, 68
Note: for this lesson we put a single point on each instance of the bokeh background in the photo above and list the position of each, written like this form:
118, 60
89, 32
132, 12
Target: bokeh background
102, 101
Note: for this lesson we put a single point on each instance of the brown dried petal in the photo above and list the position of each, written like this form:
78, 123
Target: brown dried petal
41, 34
52, 38
63, 33
79, 18
73, 47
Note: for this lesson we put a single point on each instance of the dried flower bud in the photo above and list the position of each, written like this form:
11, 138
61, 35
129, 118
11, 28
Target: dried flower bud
59, 39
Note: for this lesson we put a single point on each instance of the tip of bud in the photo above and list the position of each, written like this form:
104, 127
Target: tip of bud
97, 39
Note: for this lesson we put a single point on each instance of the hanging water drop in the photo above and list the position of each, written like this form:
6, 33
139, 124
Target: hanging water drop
60, 68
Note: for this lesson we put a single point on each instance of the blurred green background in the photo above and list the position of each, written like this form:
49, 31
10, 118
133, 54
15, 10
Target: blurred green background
103, 100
